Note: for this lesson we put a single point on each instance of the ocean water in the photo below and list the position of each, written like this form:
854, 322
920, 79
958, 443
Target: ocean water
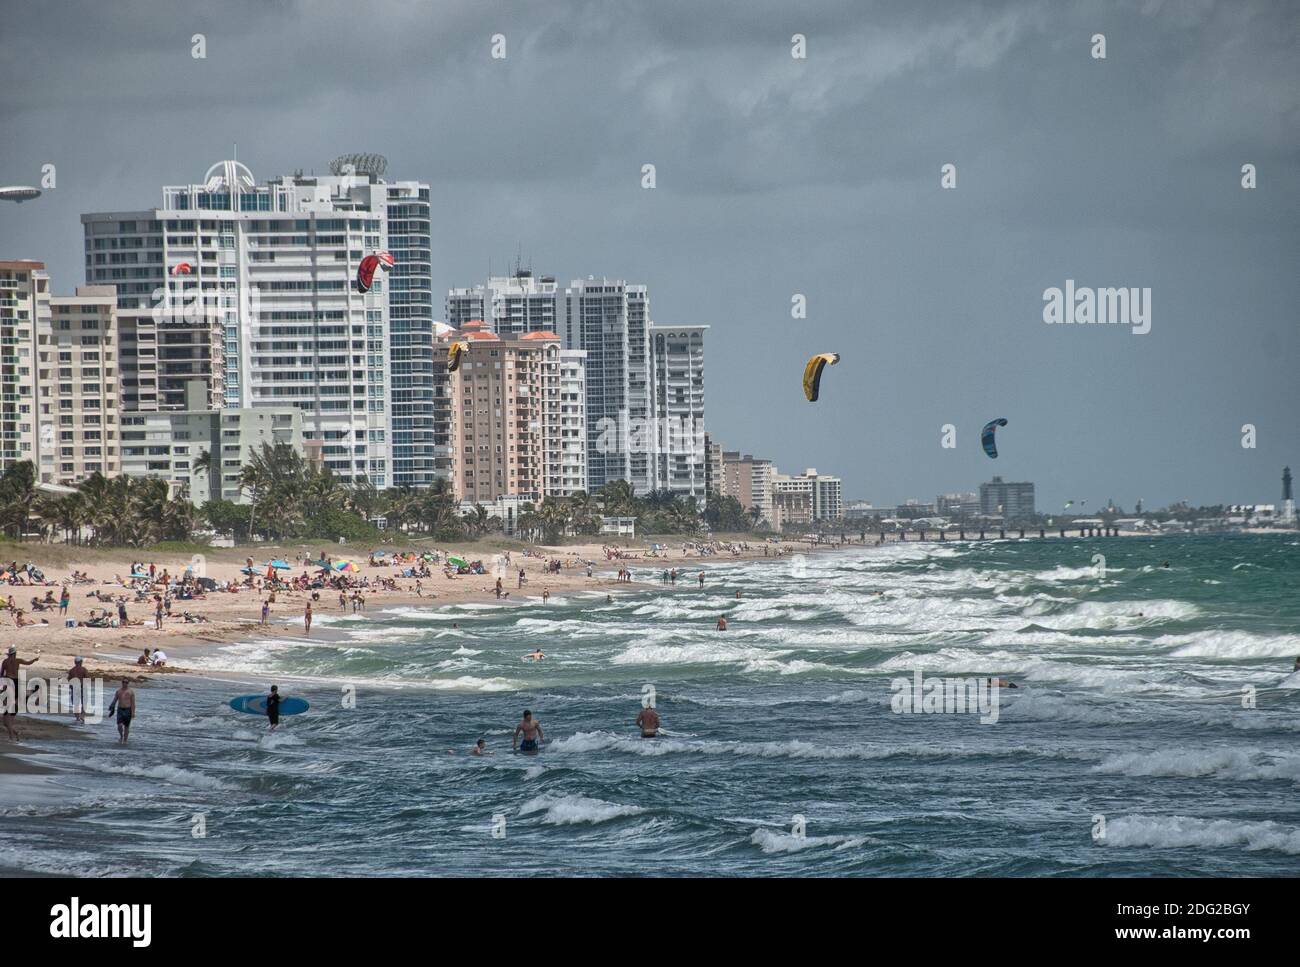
1126, 751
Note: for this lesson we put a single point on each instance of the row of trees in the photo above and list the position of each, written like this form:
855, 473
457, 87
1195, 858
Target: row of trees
289, 498
129, 511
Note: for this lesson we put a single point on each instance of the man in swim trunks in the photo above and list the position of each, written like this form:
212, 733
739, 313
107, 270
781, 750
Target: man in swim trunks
124, 704
722, 623
78, 676
532, 730
647, 721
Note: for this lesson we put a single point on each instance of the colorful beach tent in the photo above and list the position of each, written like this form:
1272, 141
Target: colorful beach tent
457, 562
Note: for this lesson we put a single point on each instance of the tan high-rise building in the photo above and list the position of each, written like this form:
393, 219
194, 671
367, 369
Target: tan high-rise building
749, 480
78, 401
510, 424
24, 314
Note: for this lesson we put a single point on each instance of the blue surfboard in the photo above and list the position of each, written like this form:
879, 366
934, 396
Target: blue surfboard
256, 705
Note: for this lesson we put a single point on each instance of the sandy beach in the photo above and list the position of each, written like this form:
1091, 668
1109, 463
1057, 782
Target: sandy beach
236, 615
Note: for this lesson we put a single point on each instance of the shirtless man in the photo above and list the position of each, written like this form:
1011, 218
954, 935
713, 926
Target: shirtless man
534, 655
78, 676
306, 619
1001, 683
532, 730
11, 702
647, 721
722, 623
124, 705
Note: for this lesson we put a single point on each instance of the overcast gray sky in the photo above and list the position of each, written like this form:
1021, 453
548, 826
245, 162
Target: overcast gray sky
778, 176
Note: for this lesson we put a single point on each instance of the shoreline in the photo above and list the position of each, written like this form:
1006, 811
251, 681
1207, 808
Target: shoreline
233, 618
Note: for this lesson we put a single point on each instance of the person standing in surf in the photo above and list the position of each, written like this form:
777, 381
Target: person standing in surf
306, 620
273, 707
647, 720
532, 732
124, 705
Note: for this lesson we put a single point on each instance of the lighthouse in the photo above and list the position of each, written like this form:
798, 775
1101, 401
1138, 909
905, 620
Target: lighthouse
1288, 502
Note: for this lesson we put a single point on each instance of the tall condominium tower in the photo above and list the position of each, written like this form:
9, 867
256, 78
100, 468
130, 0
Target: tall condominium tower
24, 317
269, 270
510, 305
677, 379
511, 417
610, 320
643, 384
58, 376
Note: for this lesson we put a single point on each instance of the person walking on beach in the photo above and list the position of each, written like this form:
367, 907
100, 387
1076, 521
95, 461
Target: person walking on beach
124, 704
65, 598
532, 732
266, 610
157, 612
306, 620
273, 707
546, 595
77, 683
9, 704
498, 588
647, 720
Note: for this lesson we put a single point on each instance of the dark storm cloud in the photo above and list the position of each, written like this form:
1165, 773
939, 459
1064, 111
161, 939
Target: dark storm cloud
778, 176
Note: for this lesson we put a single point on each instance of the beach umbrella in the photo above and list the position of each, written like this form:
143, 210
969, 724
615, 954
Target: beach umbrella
282, 565
346, 566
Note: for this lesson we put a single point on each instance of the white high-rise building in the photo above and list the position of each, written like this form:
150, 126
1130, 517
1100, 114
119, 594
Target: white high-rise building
24, 335
274, 265
566, 428
677, 375
644, 384
610, 320
510, 305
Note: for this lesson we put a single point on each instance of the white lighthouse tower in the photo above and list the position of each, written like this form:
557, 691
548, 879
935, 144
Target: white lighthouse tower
1288, 502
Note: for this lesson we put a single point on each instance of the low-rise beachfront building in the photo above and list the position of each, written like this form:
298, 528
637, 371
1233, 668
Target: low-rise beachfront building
825, 494
507, 509
618, 526
201, 452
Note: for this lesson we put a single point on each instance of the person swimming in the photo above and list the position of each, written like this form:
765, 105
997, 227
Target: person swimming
1002, 683
535, 655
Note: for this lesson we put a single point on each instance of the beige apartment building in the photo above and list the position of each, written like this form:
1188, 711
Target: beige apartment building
513, 419
749, 480
24, 310
78, 386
